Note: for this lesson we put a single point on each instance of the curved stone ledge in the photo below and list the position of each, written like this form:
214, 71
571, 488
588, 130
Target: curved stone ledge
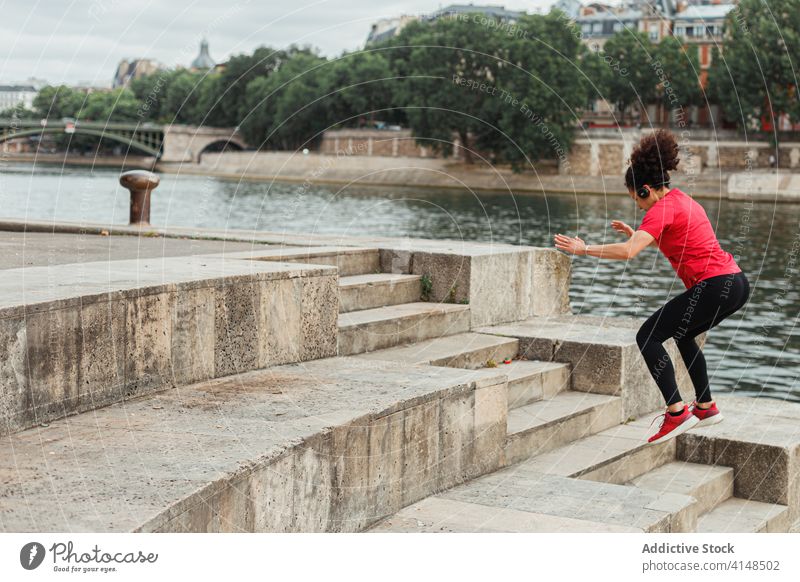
77, 337
329, 445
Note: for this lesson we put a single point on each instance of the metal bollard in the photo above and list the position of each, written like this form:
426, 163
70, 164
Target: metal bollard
140, 183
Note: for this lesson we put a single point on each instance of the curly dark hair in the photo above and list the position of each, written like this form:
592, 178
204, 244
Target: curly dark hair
652, 160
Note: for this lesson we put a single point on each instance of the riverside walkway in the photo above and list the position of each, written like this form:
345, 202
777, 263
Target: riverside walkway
184, 379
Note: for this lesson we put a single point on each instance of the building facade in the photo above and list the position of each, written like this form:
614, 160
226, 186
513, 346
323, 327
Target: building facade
133, 69
17, 96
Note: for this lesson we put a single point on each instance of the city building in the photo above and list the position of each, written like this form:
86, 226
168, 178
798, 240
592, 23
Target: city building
387, 28
699, 24
599, 22
133, 69
17, 96
702, 27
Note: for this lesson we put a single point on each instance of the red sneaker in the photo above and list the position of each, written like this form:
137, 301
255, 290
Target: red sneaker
707, 416
672, 426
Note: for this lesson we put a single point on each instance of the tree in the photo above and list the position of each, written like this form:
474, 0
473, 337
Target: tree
360, 83
286, 110
119, 105
678, 76
596, 75
181, 96
509, 92
755, 76
545, 77
450, 75
55, 102
632, 80
222, 97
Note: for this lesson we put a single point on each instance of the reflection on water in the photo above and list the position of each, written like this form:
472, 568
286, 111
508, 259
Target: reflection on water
753, 352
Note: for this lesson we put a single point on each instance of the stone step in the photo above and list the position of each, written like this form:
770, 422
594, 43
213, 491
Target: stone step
603, 355
384, 327
463, 350
438, 515
322, 445
710, 485
530, 381
757, 438
521, 490
349, 260
546, 425
377, 290
735, 515
614, 455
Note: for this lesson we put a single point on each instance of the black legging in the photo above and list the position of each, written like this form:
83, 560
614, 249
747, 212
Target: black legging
694, 311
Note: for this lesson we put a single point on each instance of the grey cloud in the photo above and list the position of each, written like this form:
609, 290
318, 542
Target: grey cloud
85, 39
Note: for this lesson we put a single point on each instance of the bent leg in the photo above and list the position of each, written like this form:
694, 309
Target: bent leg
712, 307
695, 362
650, 339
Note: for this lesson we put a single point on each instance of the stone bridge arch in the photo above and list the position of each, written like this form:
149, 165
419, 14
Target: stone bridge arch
185, 143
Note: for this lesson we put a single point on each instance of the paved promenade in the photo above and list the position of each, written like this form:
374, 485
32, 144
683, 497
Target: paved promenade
40, 249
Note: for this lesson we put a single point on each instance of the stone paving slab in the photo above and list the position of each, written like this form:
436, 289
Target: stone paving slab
459, 247
760, 439
744, 516
709, 484
578, 499
439, 515
41, 249
446, 348
77, 284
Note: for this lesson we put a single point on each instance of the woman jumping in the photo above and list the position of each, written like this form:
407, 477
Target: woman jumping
715, 285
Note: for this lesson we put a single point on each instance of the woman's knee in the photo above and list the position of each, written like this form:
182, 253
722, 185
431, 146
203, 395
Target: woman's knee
643, 337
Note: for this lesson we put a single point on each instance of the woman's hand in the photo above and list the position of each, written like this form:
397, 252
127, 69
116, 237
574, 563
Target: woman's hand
620, 226
575, 246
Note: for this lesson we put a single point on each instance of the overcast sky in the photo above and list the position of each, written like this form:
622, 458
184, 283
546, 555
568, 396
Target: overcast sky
81, 41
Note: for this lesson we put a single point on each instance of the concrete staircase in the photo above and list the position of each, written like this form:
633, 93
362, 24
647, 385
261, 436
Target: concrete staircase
382, 310
414, 416
576, 462
608, 480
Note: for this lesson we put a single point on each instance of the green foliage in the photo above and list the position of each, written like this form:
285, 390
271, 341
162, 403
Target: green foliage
545, 77
596, 75
62, 101
451, 296
632, 80
361, 84
286, 110
448, 58
18, 112
511, 96
55, 102
677, 72
756, 71
427, 287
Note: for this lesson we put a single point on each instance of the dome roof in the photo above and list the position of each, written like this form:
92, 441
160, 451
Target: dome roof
203, 60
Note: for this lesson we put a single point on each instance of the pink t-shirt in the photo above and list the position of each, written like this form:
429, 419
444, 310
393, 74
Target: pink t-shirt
687, 239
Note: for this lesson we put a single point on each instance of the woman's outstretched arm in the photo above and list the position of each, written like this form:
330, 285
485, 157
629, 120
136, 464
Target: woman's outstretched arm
621, 251
620, 226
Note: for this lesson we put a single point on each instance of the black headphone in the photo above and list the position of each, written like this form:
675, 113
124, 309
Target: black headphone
644, 191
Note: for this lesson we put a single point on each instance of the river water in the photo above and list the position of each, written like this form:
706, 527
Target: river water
754, 352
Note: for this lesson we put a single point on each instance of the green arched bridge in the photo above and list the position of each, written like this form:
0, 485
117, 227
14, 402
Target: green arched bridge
168, 143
